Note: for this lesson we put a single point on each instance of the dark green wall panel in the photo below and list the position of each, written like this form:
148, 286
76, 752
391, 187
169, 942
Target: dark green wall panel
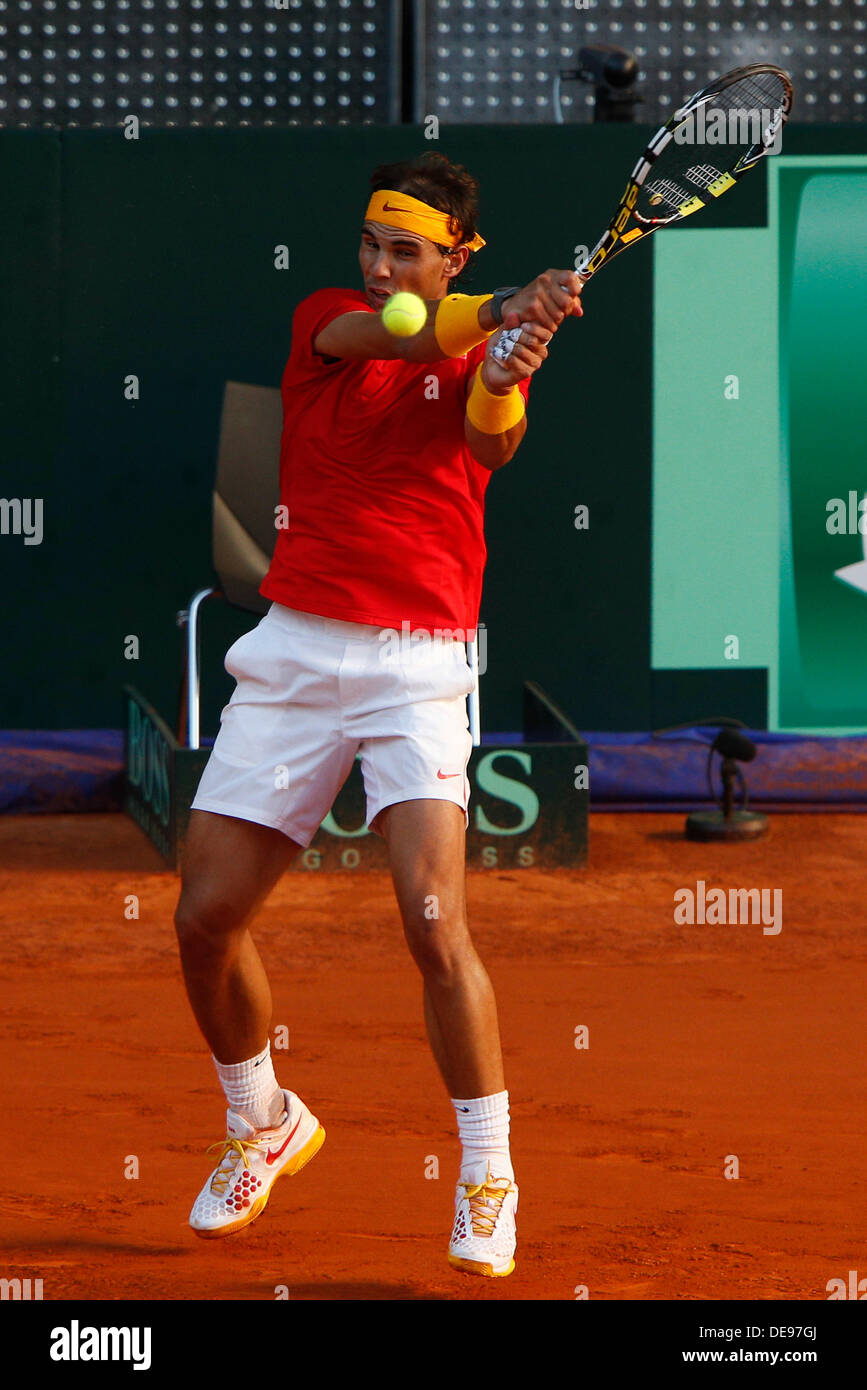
29, 386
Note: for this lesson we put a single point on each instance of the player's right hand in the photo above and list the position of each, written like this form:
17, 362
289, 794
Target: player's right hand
553, 296
525, 356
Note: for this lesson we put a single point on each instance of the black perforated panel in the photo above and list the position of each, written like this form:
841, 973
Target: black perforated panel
198, 62
495, 60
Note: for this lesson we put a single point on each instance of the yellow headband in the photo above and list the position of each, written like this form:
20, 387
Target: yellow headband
400, 210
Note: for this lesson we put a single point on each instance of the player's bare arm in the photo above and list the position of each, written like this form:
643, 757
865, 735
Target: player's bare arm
360, 335
500, 379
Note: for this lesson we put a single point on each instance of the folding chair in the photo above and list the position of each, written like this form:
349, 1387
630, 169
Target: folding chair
246, 493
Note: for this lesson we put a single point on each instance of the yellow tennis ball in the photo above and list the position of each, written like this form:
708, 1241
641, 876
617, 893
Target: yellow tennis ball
404, 315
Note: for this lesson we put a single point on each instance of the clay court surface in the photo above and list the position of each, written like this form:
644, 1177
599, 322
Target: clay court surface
705, 1041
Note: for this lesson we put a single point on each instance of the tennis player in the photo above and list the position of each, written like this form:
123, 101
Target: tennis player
388, 446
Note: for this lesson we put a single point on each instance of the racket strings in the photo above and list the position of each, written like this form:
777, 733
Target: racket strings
666, 195
733, 123
763, 92
758, 102
703, 175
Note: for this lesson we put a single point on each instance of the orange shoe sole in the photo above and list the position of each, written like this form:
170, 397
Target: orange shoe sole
477, 1267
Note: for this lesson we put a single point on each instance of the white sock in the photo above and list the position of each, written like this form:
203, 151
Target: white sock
251, 1089
483, 1128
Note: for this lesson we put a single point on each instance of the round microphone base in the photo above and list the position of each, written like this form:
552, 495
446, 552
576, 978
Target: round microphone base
713, 825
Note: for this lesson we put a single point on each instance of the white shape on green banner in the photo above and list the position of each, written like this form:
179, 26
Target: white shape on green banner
856, 574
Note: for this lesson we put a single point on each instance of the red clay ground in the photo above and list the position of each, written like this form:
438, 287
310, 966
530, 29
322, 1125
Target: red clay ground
705, 1041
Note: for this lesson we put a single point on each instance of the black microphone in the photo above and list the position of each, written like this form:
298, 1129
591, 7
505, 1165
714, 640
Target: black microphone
732, 744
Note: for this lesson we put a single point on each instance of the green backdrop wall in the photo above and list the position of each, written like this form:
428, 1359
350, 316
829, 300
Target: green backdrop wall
156, 258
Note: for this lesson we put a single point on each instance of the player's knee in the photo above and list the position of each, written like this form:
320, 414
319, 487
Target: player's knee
439, 948
202, 923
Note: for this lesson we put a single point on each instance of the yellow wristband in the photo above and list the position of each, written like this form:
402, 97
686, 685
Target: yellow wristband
456, 326
493, 414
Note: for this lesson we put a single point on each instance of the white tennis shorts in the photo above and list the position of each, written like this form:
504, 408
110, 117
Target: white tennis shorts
312, 693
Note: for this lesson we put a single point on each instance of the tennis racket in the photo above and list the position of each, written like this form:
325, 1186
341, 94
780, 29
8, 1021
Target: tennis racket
698, 155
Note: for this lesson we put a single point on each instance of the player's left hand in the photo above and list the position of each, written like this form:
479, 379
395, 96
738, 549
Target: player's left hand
525, 357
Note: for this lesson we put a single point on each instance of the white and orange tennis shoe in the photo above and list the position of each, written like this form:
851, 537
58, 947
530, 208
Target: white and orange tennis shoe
483, 1236
250, 1162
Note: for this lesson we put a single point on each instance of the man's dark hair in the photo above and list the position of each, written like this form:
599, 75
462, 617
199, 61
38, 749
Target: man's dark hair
446, 186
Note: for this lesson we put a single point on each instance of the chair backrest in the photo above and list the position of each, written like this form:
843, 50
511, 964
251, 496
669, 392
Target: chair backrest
246, 491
